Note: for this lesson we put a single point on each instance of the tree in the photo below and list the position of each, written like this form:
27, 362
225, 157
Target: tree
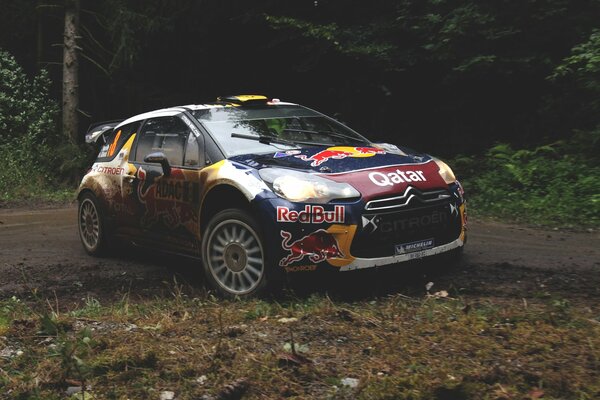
70, 91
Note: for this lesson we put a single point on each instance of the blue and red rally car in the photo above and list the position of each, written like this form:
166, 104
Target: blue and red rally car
257, 188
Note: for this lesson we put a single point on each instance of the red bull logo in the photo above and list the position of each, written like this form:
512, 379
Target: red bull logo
152, 192
318, 246
340, 152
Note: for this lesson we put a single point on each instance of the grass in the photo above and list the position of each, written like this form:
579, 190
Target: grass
32, 194
554, 185
396, 347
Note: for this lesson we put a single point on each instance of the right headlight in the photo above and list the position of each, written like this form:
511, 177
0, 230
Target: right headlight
445, 171
304, 187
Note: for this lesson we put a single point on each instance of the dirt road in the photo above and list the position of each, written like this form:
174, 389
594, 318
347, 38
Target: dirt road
40, 250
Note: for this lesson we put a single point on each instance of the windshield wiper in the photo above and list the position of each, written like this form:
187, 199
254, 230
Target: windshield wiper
328, 133
273, 139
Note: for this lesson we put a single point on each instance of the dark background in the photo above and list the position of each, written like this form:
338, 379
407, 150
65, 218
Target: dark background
445, 76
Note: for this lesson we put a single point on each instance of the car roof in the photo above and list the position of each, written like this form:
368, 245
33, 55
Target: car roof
167, 112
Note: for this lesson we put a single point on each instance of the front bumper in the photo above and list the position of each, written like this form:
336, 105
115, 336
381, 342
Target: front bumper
360, 263
304, 237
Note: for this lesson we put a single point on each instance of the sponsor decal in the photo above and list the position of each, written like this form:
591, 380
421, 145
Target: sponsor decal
301, 268
391, 148
172, 214
396, 177
340, 152
317, 246
370, 220
374, 222
453, 209
417, 255
108, 170
377, 182
288, 153
312, 214
185, 191
414, 246
191, 126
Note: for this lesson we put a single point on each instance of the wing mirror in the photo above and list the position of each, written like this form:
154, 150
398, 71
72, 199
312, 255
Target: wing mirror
159, 158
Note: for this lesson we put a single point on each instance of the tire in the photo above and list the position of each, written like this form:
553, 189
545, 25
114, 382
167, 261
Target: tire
234, 255
91, 226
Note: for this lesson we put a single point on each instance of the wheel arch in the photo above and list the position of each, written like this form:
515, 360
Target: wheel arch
83, 191
94, 188
222, 197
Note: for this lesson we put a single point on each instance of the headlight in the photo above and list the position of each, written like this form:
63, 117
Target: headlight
303, 187
445, 171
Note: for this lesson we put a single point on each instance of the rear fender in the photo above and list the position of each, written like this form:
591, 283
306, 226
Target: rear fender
104, 193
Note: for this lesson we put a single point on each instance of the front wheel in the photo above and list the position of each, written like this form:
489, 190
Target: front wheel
233, 254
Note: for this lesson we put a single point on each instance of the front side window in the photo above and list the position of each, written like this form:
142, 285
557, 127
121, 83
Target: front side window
172, 137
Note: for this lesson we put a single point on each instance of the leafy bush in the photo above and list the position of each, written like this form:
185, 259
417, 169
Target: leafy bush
555, 184
31, 149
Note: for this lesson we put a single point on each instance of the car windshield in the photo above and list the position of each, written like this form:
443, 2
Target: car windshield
275, 127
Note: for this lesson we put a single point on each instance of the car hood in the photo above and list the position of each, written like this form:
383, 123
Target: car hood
374, 171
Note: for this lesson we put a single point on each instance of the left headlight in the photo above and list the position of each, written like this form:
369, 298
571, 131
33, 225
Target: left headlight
304, 187
445, 171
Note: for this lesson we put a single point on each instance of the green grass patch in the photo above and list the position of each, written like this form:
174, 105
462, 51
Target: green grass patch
25, 179
554, 185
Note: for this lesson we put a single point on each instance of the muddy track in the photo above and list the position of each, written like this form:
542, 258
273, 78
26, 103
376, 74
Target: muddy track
40, 251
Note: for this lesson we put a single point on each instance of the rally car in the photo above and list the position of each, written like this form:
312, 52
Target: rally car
256, 187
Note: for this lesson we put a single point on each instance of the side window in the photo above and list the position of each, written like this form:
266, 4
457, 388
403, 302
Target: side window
171, 136
193, 154
116, 139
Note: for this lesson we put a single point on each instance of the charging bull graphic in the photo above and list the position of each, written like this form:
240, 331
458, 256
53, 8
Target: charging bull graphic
318, 246
167, 200
340, 152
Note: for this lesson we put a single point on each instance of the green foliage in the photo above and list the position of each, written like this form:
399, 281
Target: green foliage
27, 125
358, 41
34, 157
584, 63
130, 25
460, 74
555, 184
73, 353
27, 115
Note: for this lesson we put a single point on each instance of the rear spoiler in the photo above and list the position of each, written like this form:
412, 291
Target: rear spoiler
99, 130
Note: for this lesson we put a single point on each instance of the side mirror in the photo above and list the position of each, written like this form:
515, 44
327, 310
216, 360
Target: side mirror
159, 158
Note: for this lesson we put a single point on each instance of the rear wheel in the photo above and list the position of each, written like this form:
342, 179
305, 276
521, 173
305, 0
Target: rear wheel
91, 226
233, 254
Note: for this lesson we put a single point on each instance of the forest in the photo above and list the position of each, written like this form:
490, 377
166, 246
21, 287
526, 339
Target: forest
508, 90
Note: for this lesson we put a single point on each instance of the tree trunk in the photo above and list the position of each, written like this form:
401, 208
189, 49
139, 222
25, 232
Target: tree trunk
70, 94
40, 34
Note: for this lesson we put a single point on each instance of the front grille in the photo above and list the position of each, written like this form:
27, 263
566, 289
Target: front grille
411, 196
381, 231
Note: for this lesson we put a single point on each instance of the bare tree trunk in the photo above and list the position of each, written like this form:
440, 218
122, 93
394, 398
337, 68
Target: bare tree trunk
70, 94
40, 34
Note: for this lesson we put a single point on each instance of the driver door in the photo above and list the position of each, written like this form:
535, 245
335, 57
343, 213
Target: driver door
168, 199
